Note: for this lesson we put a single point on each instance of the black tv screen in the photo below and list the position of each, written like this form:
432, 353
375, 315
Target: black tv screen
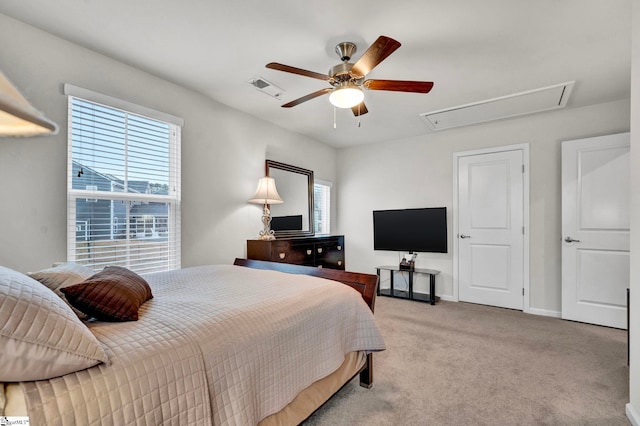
286, 223
419, 230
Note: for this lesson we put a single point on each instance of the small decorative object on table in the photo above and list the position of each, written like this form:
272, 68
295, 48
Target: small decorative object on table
408, 262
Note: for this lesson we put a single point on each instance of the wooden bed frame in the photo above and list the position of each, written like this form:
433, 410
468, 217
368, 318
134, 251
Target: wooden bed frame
365, 284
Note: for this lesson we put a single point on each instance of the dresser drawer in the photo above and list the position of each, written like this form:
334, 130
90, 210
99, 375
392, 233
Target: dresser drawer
286, 252
304, 252
330, 254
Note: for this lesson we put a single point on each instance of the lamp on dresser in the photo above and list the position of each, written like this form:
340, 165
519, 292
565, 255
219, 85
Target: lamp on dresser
266, 194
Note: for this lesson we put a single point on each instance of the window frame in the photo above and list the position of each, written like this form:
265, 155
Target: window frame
328, 185
172, 199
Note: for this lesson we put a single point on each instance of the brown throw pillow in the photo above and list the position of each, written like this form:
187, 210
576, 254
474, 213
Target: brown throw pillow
113, 294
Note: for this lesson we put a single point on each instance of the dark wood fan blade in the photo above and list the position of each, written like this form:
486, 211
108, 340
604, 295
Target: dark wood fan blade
399, 85
376, 53
360, 109
299, 71
307, 98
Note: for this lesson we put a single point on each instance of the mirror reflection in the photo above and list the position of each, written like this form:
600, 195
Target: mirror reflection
295, 185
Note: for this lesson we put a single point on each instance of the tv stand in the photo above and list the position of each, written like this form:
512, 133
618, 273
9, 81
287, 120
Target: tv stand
410, 294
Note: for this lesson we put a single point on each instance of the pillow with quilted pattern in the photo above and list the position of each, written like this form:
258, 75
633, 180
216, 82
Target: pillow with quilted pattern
113, 294
40, 336
63, 275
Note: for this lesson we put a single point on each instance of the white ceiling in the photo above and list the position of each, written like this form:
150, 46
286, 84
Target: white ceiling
473, 50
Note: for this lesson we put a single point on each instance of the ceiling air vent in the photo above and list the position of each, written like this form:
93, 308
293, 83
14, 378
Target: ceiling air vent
538, 100
267, 87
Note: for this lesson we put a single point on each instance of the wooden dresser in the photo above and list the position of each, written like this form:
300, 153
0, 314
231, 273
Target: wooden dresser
322, 252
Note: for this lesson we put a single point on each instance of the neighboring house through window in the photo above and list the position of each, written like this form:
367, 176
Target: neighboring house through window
322, 207
123, 184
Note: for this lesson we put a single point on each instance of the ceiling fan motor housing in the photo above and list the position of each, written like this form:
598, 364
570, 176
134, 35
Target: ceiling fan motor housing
340, 73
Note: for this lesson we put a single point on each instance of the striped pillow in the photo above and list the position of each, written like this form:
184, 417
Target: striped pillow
113, 294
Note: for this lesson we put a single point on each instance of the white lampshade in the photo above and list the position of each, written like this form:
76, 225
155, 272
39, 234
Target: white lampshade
17, 116
346, 96
266, 192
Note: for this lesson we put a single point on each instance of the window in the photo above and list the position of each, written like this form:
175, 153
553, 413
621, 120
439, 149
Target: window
322, 207
123, 184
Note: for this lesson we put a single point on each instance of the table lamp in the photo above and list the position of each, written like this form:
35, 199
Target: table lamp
266, 194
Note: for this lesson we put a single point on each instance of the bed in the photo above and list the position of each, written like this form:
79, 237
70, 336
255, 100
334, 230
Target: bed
250, 343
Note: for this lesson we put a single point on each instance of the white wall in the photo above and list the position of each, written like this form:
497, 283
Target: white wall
223, 153
418, 172
633, 408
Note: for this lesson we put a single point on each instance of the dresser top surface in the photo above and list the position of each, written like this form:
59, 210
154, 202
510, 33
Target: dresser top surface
314, 238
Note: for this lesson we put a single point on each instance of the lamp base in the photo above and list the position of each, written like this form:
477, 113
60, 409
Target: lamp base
267, 233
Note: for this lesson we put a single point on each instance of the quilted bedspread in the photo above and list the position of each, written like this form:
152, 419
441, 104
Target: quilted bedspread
216, 345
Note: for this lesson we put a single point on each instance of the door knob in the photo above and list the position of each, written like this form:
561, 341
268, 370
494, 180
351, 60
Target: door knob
571, 240
465, 236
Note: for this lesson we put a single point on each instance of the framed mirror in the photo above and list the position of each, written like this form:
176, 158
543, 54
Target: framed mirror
294, 217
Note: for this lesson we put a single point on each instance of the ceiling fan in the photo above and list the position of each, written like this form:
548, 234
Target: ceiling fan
347, 79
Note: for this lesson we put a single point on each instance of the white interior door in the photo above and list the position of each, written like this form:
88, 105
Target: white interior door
595, 230
491, 229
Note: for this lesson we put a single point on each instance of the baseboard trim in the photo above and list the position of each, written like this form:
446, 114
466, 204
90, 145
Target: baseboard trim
632, 415
544, 313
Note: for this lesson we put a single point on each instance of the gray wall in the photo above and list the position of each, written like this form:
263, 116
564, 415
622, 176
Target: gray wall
223, 153
418, 172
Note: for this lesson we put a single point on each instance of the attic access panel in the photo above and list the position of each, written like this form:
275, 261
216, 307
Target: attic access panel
529, 102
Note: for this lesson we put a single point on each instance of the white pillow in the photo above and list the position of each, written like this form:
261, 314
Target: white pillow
61, 276
40, 336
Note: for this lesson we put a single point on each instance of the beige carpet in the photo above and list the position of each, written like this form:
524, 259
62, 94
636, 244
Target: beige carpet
465, 364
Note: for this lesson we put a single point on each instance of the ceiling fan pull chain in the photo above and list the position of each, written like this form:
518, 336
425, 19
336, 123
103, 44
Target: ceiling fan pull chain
334, 118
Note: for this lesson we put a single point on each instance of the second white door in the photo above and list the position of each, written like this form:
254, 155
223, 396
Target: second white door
595, 230
490, 229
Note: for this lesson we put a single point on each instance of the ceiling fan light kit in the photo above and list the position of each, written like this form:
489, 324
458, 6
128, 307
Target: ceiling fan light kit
347, 79
346, 96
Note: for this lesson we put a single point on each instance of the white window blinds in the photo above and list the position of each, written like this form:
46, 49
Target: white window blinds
322, 207
123, 188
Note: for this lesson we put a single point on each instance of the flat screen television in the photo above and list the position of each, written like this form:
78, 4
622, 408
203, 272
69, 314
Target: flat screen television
412, 230
286, 223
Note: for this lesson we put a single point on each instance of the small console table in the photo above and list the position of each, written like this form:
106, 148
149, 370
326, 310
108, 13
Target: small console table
411, 295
